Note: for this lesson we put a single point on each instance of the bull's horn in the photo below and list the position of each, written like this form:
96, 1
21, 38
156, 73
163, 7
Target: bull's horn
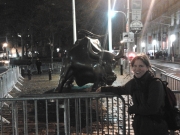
120, 54
90, 50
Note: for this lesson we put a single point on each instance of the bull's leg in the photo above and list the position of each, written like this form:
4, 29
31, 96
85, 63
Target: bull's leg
96, 85
69, 82
67, 73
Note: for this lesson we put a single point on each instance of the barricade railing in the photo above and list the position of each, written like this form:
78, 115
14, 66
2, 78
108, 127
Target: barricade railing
173, 81
8, 79
68, 113
44, 67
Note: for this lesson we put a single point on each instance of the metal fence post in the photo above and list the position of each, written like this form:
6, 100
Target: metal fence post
50, 72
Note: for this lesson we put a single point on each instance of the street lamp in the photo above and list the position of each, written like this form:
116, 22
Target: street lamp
13, 52
110, 13
172, 38
57, 49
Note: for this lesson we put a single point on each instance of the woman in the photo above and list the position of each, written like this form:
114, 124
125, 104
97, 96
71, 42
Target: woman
148, 98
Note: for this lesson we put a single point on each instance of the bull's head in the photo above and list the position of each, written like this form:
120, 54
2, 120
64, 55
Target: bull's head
107, 62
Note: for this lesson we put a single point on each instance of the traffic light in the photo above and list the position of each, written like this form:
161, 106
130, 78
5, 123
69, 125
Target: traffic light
131, 56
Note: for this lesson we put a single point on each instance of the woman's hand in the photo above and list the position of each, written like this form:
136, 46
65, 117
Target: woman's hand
99, 89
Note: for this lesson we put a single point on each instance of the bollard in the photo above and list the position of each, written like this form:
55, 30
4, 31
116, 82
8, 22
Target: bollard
29, 74
22, 72
121, 66
50, 72
121, 69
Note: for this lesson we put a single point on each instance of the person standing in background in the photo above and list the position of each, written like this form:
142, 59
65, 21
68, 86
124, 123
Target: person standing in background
38, 65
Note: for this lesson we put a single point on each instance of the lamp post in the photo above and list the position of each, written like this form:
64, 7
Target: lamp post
154, 43
74, 21
4, 49
172, 38
110, 13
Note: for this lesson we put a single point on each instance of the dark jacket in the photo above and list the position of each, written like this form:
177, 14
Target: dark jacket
148, 101
38, 63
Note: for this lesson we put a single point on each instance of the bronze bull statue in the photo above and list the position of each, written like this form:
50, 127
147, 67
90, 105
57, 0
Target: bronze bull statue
86, 62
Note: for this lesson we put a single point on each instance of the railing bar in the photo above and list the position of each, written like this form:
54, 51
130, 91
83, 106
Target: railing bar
25, 117
57, 116
107, 103
87, 116
69, 113
47, 127
16, 118
97, 124
1, 116
90, 126
118, 114
76, 115
80, 116
36, 117
112, 123
102, 116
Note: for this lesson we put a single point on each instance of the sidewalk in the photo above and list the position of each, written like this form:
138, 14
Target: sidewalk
41, 83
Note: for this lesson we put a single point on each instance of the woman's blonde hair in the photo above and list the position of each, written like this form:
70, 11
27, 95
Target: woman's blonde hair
143, 58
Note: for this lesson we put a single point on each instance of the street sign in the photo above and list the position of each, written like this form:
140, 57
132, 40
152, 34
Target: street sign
136, 9
136, 24
128, 37
136, 4
136, 14
136, 28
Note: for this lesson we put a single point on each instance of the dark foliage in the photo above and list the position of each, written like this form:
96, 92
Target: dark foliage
43, 22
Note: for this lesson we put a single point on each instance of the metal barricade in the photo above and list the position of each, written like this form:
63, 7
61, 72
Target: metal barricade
70, 113
173, 81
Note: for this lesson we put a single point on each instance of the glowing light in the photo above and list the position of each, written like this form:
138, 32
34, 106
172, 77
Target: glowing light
5, 45
142, 44
173, 38
131, 55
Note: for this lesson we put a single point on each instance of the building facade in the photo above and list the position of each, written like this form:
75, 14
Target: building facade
161, 30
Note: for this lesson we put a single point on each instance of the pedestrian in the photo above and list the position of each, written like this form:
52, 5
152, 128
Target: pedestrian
38, 65
148, 98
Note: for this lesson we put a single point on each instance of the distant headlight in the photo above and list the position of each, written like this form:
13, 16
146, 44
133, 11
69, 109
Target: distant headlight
6, 61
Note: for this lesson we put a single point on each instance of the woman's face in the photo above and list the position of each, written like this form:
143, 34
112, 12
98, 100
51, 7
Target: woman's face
139, 68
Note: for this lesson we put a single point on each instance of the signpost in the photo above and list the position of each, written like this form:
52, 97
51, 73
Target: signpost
136, 25
136, 15
128, 37
136, 9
